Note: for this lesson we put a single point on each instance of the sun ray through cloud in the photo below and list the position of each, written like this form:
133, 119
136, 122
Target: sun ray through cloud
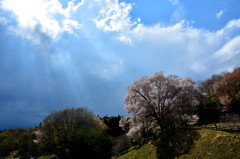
63, 53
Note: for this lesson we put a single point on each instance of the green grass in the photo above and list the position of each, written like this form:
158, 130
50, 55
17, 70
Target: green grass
47, 157
211, 144
215, 144
147, 151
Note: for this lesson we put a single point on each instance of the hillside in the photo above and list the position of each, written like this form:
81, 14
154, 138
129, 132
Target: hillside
212, 144
147, 151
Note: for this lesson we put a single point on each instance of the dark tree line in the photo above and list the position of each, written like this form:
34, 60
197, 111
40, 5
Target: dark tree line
223, 98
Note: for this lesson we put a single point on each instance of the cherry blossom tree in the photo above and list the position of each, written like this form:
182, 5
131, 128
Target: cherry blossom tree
159, 102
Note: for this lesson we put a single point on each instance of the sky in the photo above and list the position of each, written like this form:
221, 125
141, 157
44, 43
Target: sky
57, 54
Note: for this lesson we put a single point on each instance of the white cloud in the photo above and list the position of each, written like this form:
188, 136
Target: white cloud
178, 43
233, 24
166, 46
37, 18
174, 2
114, 16
219, 14
125, 39
139, 20
229, 51
231, 30
194, 49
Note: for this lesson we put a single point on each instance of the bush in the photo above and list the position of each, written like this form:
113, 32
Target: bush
120, 144
73, 133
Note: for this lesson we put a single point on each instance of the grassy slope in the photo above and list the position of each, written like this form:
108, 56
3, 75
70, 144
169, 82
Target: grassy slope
216, 144
147, 151
47, 157
211, 145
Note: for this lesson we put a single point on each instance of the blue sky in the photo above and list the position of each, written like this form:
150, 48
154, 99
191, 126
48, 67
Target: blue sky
57, 54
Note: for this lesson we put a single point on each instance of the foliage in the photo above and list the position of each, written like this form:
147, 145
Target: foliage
2, 131
72, 133
20, 140
175, 143
227, 87
27, 148
223, 92
227, 83
235, 99
121, 144
8, 143
210, 110
113, 128
159, 102
120, 140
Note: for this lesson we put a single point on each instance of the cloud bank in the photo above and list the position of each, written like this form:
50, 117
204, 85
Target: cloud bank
177, 43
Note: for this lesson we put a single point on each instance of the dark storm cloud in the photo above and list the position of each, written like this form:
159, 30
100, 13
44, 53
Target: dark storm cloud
35, 81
